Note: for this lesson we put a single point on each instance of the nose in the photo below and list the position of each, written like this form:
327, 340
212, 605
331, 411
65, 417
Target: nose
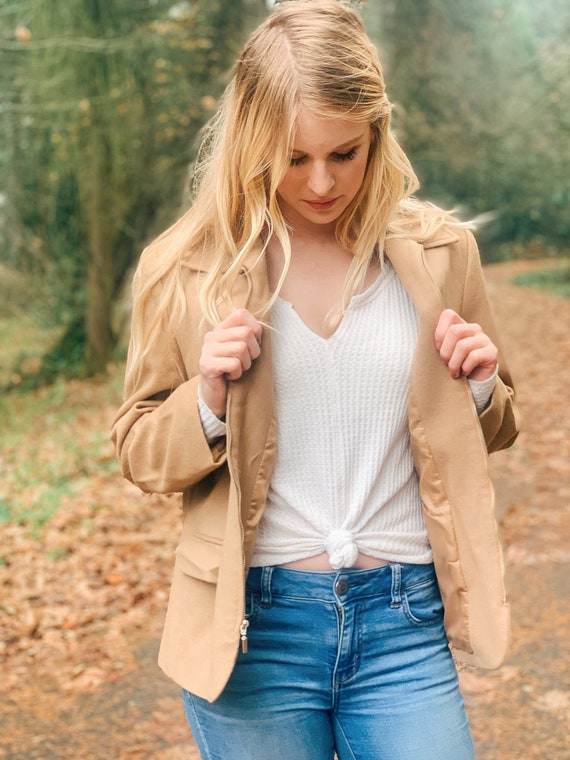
320, 179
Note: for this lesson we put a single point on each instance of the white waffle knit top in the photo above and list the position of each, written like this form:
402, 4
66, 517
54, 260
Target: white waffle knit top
344, 480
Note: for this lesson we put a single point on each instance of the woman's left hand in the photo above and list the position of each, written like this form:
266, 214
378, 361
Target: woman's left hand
464, 347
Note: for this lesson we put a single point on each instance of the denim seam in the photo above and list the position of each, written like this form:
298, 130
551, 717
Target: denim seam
341, 731
204, 743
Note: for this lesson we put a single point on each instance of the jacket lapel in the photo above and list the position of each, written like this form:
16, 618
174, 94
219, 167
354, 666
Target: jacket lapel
408, 259
251, 411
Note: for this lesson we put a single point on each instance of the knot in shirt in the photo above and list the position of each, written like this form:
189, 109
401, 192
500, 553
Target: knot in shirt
341, 548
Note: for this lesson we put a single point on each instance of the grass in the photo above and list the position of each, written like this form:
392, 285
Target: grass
52, 441
23, 342
555, 279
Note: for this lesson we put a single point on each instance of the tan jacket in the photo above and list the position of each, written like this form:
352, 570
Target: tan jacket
162, 448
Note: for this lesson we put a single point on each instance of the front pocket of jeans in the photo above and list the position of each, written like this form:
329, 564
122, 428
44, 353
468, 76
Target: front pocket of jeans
252, 604
422, 604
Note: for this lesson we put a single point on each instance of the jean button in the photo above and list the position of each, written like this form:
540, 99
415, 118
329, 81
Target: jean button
341, 587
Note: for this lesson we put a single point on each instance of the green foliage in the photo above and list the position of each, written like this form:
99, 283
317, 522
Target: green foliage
102, 101
556, 280
50, 445
101, 109
39, 512
33, 351
482, 109
64, 359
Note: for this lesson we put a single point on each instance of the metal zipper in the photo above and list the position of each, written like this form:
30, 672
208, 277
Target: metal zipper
244, 625
243, 635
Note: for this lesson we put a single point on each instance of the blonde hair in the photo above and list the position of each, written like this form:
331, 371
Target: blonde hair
313, 54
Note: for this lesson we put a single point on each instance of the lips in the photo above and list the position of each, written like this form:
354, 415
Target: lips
322, 205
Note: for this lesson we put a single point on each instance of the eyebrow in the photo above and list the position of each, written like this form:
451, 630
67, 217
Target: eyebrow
338, 148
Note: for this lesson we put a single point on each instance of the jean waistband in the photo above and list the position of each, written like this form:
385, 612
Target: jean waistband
337, 586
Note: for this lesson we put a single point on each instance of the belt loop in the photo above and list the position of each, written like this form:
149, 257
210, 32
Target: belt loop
266, 573
396, 585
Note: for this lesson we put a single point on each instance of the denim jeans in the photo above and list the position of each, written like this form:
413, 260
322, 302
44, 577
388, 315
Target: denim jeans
351, 661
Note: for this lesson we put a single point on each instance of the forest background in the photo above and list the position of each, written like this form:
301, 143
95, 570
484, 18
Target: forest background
101, 105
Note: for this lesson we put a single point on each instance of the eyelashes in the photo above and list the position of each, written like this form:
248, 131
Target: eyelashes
338, 157
345, 156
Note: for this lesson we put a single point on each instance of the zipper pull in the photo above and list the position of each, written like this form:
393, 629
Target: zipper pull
243, 635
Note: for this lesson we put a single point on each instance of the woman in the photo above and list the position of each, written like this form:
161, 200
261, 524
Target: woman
314, 365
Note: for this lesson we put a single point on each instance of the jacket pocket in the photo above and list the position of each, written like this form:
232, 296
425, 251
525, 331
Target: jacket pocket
198, 556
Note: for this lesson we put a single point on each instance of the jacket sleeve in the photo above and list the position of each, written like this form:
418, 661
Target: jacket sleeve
157, 432
500, 420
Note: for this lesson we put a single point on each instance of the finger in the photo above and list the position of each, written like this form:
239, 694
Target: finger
447, 318
470, 353
243, 318
480, 363
243, 334
479, 367
239, 349
455, 333
227, 367
233, 336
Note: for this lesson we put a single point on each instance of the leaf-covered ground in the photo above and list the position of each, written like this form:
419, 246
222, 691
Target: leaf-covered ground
85, 562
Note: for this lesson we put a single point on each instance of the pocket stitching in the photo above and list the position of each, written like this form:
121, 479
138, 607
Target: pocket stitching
419, 622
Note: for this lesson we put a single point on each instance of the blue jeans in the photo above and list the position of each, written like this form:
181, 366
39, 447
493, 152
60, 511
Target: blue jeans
351, 661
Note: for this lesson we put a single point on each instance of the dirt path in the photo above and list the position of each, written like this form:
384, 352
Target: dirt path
523, 710
100, 694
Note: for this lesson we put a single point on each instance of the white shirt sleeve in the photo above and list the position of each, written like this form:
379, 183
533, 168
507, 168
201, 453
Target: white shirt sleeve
482, 390
213, 426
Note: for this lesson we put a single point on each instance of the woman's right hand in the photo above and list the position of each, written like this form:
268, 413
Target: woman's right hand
228, 351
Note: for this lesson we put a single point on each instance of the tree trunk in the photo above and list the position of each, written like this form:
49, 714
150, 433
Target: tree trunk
102, 237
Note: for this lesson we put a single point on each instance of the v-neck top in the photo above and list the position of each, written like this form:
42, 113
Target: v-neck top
344, 479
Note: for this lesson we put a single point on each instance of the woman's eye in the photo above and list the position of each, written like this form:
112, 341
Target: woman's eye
338, 157
345, 156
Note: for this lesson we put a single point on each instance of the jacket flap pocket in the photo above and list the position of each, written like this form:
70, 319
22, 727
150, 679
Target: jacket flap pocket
198, 555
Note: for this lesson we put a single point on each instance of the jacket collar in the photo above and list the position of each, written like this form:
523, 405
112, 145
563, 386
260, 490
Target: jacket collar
205, 260
406, 256
409, 260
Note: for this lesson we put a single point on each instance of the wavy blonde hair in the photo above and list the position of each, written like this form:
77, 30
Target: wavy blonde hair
313, 54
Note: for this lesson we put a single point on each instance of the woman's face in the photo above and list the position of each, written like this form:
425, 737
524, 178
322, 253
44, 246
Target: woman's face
326, 170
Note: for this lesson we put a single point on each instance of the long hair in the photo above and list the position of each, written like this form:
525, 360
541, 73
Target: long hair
313, 54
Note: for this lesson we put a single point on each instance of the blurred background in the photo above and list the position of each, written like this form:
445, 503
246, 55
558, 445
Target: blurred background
101, 104
101, 107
